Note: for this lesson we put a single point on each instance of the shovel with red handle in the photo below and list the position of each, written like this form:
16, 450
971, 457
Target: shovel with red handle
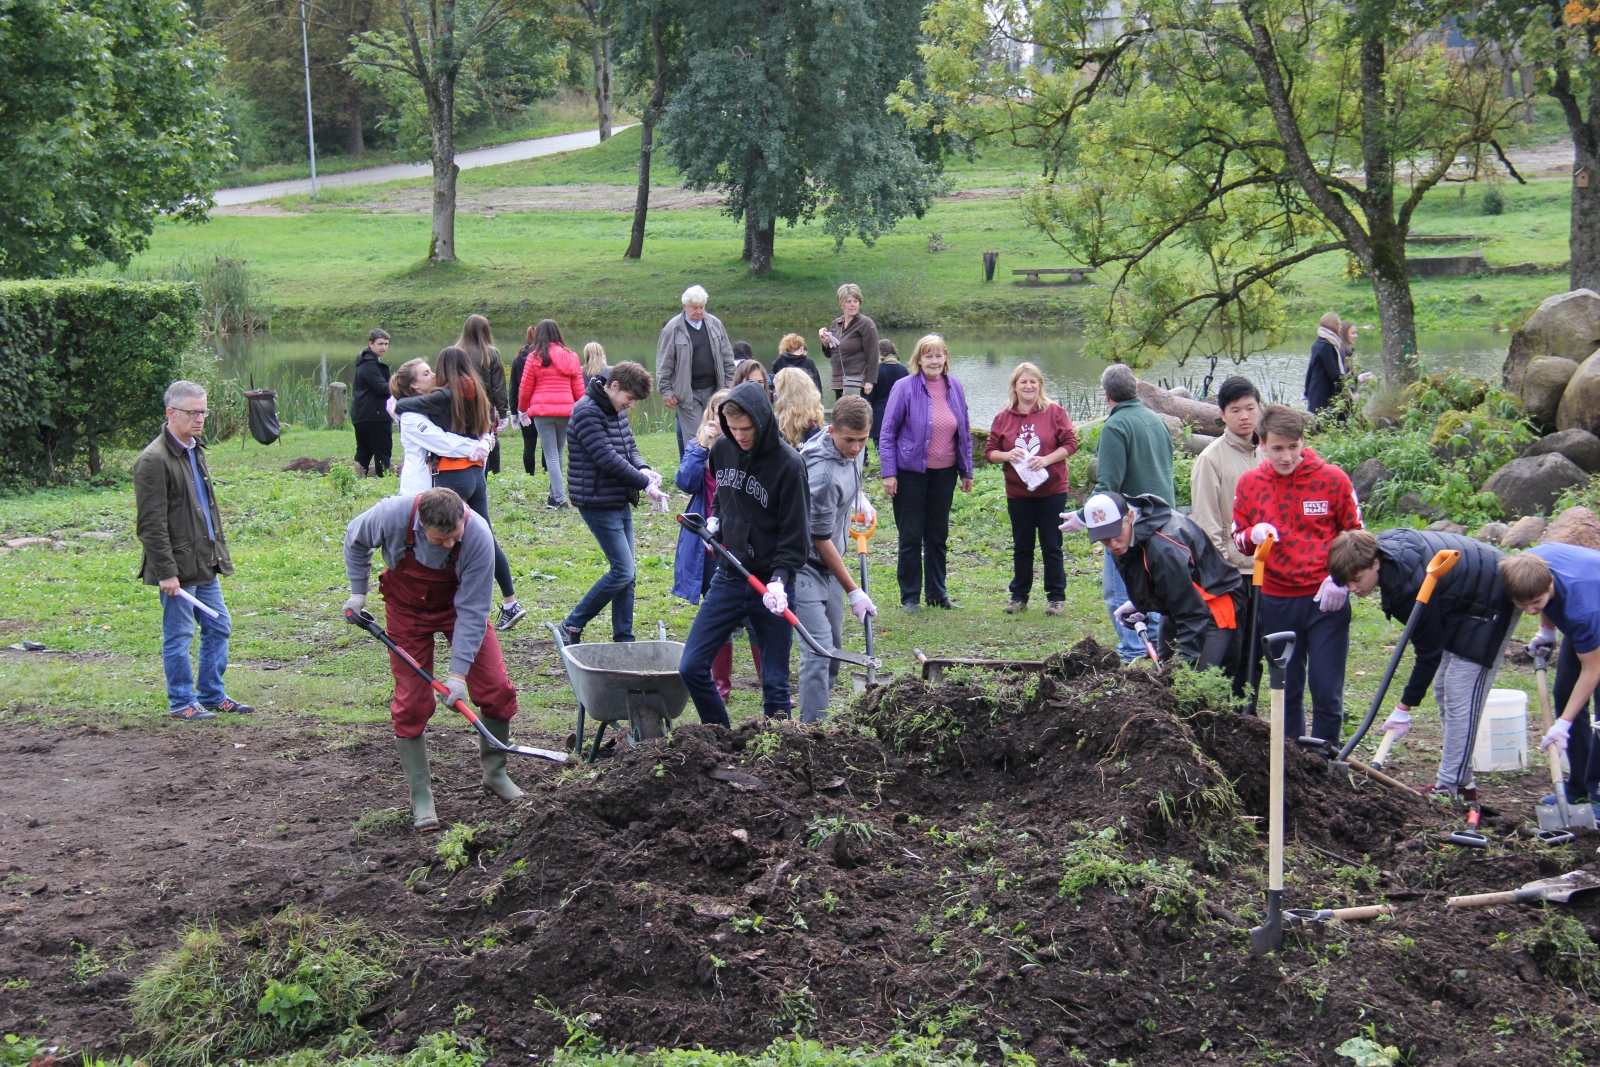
365, 620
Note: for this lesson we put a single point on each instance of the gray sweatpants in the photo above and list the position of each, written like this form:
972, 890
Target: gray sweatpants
1461, 689
819, 605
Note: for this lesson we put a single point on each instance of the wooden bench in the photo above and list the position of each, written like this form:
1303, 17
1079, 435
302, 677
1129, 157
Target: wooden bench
1074, 274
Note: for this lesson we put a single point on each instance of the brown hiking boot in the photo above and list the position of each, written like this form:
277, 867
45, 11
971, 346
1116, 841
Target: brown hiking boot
1056, 607
1016, 607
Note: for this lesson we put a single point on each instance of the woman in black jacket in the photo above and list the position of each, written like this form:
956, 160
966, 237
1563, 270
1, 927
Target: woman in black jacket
478, 343
1326, 372
530, 436
374, 429
1459, 640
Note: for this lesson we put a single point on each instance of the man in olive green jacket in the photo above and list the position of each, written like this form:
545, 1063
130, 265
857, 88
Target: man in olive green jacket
180, 527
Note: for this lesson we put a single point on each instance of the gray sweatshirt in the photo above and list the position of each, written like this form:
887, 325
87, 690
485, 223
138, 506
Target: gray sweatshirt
834, 482
383, 526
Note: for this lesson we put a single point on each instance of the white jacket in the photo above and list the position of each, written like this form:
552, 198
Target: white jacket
420, 436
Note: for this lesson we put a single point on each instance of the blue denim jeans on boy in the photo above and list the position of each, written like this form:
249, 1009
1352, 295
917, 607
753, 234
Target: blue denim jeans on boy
1321, 648
727, 604
613, 529
1115, 591
178, 618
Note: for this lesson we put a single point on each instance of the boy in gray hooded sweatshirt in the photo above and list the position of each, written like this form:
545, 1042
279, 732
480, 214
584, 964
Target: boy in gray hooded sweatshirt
833, 474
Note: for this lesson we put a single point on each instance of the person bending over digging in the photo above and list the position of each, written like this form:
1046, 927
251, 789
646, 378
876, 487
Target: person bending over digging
1561, 585
1459, 639
1170, 566
1301, 503
438, 578
833, 463
759, 515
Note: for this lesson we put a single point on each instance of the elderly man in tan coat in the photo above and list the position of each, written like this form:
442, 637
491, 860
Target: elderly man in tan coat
694, 359
1211, 483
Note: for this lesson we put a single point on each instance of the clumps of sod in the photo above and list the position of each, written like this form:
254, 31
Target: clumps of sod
225, 994
1564, 950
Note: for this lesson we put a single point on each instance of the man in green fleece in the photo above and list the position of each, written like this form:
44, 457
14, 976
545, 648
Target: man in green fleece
1134, 458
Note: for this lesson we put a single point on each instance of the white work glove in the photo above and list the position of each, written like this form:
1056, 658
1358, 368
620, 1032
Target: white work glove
1073, 523
776, 600
658, 498
1365, 377
388, 405
653, 476
1557, 735
1543, 643
456, 690
1127, 615
479, 454
1331, 596
500, 427
862, 605
713, 524
1399, 722
356, 604
1263, 530
864, 508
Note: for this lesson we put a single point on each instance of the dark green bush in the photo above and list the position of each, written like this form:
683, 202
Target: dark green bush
83, 365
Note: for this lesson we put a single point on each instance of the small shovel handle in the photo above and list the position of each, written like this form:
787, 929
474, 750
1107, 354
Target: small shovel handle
1263, 550
1487, 900
1368, 911
1438, 567
1382, 754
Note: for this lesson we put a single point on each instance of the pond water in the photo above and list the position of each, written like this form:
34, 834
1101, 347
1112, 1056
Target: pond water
981, 359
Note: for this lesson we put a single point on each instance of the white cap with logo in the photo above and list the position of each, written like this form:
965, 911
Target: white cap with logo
1103, 514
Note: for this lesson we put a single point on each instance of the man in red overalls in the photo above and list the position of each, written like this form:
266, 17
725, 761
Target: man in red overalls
439, 579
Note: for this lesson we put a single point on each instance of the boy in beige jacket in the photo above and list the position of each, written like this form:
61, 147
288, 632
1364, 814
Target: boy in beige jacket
1211, 483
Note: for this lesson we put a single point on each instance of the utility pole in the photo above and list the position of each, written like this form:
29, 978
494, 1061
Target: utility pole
305, 56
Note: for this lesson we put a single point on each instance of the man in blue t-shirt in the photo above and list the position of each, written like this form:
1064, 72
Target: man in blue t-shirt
1561, 584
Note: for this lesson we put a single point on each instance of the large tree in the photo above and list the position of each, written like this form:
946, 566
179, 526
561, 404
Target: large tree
783, 109
1560, 39
107, 121
1196, 151
652, 67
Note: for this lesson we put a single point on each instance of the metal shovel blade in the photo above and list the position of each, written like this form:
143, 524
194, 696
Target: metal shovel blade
1579, 817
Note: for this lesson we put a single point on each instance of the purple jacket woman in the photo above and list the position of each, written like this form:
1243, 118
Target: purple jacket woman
924, 447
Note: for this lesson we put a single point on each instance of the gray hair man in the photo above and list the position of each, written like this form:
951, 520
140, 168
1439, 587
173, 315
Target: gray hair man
1134, 458
180, 527
694, 359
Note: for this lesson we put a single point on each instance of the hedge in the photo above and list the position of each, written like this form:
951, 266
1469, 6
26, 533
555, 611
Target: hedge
84, 364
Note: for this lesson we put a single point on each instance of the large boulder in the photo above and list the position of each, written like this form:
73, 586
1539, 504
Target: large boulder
1580, 402
1566, 326
1534, 483
1546, 380
1524, 533
1447, 526
1580, 446
1412, 504
1368, 476
1195, 414
1575, 526
1491, 532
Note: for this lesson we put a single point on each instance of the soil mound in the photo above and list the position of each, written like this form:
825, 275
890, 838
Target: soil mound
1050, 864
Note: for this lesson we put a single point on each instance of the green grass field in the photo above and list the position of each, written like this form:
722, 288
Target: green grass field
294, 657
345, 259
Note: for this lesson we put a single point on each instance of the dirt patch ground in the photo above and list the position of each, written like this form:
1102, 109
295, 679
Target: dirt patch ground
1061, 865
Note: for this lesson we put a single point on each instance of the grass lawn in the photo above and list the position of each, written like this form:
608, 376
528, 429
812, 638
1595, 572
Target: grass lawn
293, 656
343, 259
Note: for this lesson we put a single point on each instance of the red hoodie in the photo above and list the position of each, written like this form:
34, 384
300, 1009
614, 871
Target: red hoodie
1309, 508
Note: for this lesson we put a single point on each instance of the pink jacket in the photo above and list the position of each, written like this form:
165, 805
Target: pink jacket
550, 391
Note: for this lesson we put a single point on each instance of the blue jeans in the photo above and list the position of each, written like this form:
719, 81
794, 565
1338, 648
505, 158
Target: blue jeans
728, 604
613, 529
1115, 591
1321, 647
178, 618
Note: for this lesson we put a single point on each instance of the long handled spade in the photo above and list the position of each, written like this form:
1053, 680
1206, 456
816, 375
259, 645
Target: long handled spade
861, 531
1257, 578
1557, 823
1268, 937
365, 620
697, 526
1557, 890
1438, 567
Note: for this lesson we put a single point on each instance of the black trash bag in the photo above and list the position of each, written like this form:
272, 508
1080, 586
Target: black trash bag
263, 410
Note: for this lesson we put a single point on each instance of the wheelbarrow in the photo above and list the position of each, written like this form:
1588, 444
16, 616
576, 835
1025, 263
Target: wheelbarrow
633, 682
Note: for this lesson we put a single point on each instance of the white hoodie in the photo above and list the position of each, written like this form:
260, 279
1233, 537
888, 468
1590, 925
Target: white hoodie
420, 436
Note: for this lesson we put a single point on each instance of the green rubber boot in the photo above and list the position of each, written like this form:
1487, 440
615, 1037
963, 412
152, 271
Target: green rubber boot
495, 779
414, 761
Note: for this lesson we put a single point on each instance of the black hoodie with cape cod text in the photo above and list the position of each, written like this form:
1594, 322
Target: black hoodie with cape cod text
762, 495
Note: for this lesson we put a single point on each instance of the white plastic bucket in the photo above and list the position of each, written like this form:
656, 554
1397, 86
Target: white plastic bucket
1502, 743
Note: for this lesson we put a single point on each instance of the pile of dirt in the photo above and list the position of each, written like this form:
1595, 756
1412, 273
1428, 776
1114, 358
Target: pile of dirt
1059, 864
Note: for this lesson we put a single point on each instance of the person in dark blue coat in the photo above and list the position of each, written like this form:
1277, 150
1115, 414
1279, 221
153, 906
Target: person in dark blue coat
605, 475
368, 416
1326, 372
890, 370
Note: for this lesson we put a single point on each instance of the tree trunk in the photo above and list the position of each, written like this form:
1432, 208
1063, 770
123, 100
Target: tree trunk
749, 237
602, 76
1584, 241
647, 131
759, 239
354, 142
1397, 318
442, 249
94, 453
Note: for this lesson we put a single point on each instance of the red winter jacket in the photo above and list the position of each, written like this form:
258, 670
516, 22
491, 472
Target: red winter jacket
550, 391
1309, 508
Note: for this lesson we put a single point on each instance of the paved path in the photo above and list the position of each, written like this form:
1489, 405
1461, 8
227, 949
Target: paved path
482, 157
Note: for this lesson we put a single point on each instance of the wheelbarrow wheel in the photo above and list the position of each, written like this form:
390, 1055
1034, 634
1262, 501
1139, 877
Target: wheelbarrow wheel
647, 724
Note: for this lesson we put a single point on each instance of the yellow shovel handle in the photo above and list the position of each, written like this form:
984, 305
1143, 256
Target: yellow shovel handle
1438, 567
1263, 550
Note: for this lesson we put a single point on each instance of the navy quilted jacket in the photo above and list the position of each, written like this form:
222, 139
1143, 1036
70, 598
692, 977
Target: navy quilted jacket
1469, 614
604, 467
